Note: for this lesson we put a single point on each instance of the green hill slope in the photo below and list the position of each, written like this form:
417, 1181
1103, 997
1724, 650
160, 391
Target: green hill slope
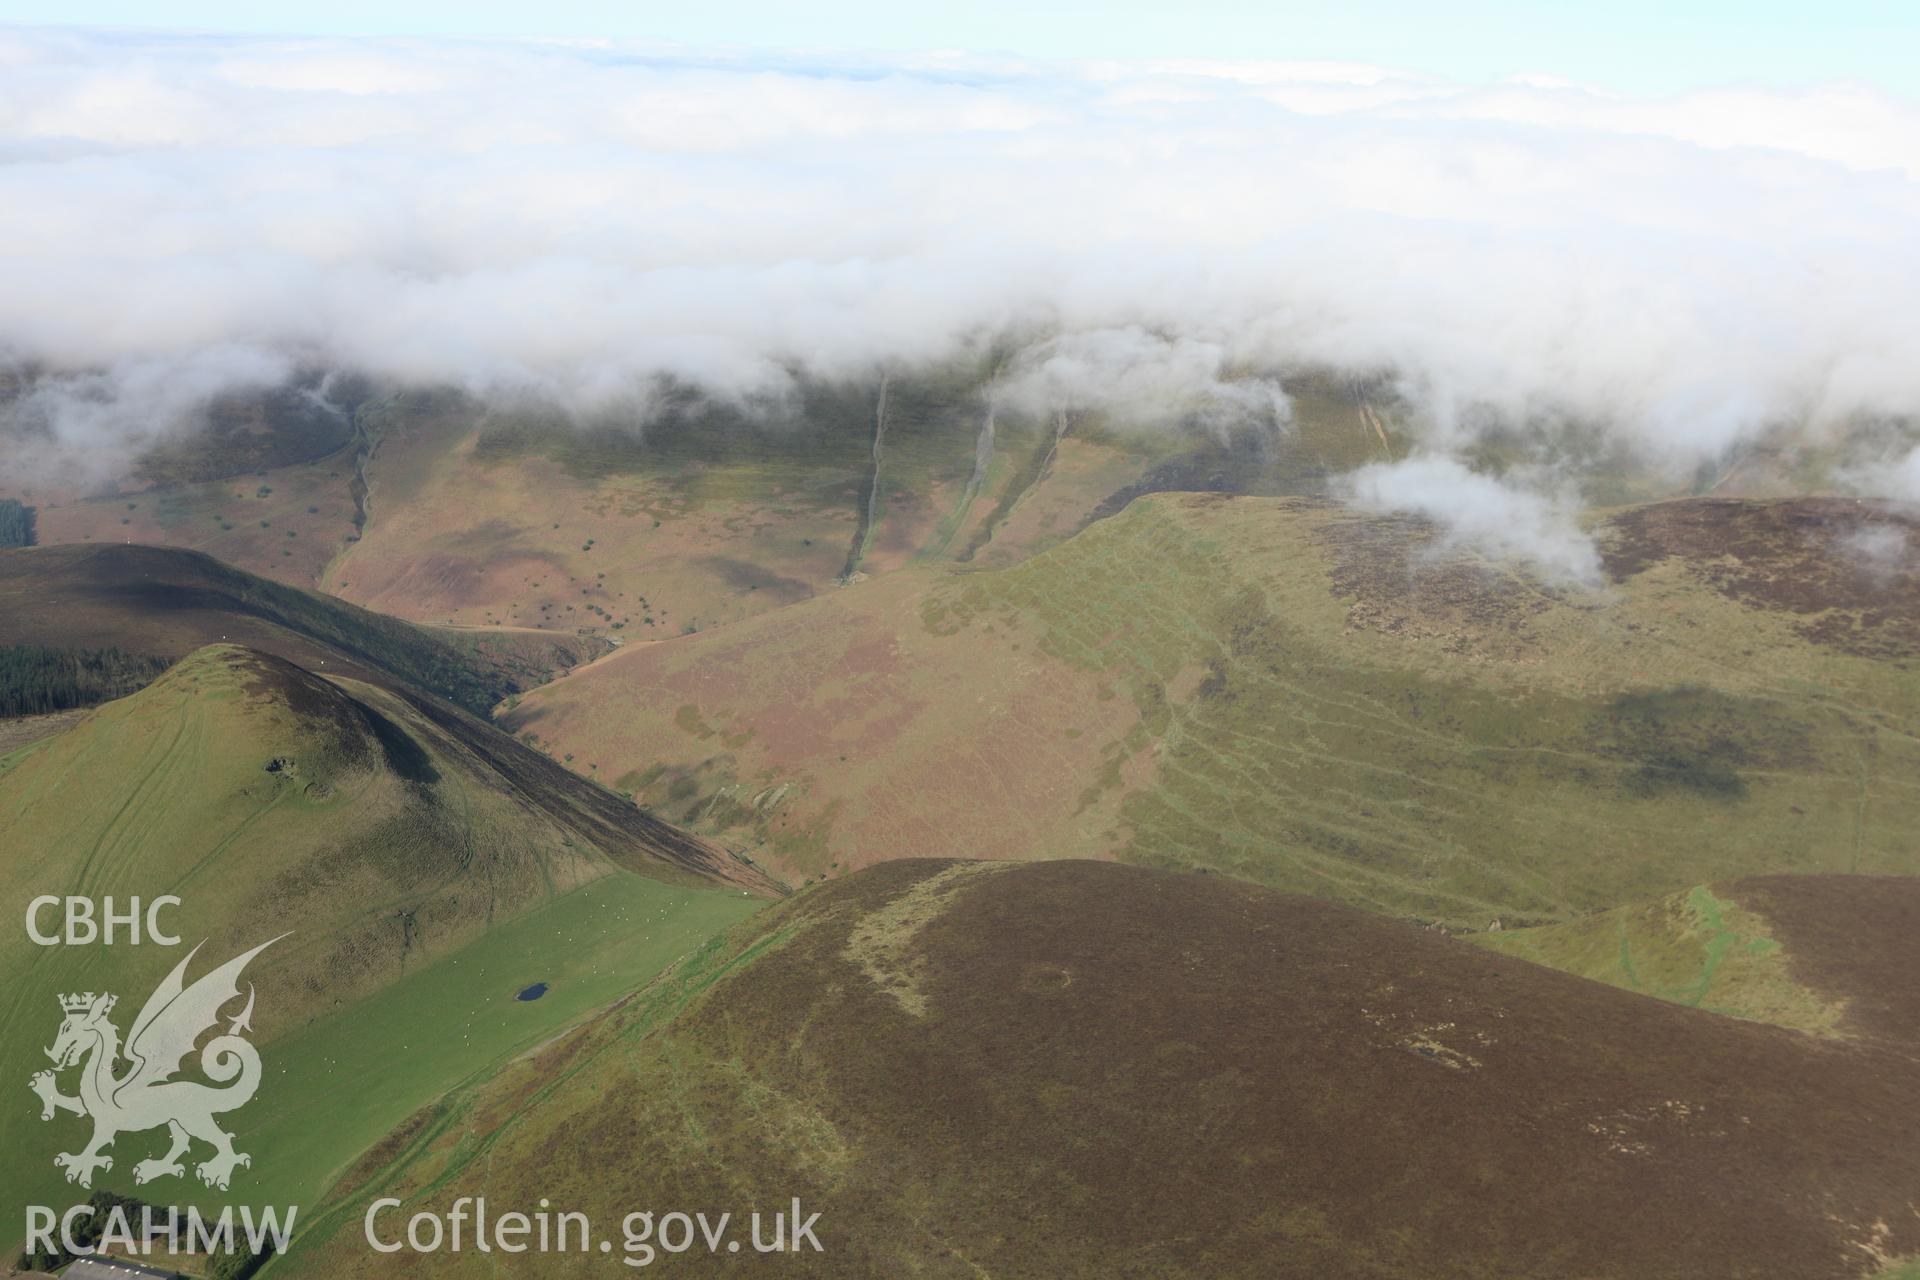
1076, 1069
1311, 698
423, 867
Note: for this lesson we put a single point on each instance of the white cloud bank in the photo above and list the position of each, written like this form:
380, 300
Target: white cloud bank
1489, 515
576, 218
1902, 480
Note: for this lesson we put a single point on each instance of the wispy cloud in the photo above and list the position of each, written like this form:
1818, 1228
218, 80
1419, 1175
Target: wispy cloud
576, 218
1498, 517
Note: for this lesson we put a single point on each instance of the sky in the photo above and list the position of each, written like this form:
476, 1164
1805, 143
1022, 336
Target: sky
1640, 46
1164, 216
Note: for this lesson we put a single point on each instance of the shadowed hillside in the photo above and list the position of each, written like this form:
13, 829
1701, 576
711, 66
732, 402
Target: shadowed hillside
164, 602
1072, 1069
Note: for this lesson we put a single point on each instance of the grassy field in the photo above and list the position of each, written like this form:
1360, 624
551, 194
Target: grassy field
385, 842
1302, 696
335, 1087
973, 1070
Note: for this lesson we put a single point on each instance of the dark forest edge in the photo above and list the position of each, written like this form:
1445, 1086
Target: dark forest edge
36, 680
16, 523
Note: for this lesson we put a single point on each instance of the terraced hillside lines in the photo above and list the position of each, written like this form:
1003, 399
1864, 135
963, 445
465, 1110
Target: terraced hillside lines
1196, 1078
1401, 779
1292, 693
1143, 605
167, 602
386, 835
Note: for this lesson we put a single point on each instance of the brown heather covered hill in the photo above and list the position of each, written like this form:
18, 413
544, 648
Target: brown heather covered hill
1858, 936
1081, 1069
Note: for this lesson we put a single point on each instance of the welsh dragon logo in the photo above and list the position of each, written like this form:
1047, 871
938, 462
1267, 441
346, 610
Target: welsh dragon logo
145, 1095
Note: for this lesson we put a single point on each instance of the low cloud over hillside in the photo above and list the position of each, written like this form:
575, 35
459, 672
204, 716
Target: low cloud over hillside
573, 220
